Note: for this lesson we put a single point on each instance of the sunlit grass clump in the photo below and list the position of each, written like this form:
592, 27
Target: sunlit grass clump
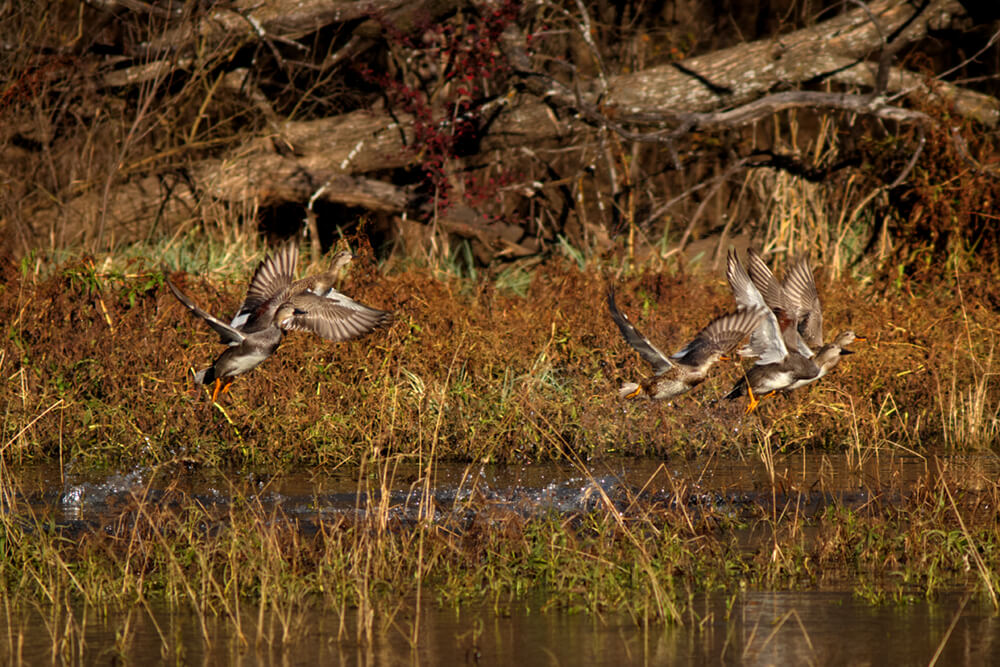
96, 360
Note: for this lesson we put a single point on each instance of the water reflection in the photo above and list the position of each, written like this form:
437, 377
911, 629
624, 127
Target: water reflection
800, 628
760, 628
766, 628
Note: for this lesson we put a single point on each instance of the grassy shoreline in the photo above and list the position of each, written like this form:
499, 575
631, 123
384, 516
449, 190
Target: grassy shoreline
95, 367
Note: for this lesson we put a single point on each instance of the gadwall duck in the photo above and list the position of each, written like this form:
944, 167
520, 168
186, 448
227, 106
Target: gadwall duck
687, 367
795, 302
777, 367
276, 303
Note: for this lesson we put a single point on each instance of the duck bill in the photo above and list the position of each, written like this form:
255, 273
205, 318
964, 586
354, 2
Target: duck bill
845, 351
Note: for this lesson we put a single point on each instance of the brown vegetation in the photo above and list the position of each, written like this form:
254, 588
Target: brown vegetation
96, 365
511, 128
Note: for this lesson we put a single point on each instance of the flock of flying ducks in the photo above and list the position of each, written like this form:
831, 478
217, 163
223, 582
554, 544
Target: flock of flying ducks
783, 322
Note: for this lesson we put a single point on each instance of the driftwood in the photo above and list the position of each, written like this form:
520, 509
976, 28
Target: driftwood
366, 141
280, 21
344, 159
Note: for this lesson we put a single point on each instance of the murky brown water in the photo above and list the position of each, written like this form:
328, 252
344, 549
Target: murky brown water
762, 628
812, 481
770, 628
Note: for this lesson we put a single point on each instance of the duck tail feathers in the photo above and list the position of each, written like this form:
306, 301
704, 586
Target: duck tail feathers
739, 390
205, 376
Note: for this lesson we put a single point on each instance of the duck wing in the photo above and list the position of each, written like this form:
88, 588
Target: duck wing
227, 334
765, 282
720, 336
659, 361
334, 316
272, 276
803, 302
766, 342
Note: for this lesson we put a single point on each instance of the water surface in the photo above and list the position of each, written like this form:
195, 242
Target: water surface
757, 628
810, 481
749, 627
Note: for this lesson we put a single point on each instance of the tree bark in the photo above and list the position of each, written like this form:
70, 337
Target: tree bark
366, 141
344, 159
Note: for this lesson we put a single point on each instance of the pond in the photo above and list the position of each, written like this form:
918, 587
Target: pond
811, 481
753, 627
824, 624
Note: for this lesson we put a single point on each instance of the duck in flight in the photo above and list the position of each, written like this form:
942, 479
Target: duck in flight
689, 366
795, 302
276, 303
793, 317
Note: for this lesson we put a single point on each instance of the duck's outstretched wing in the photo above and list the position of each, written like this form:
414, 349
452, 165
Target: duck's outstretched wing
272, 276
334, 316
659, 361
803, 300
766, 342
765, 282
720, 336
227, 334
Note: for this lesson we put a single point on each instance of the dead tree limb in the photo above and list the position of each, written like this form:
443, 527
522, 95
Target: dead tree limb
678, 93
345, 157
